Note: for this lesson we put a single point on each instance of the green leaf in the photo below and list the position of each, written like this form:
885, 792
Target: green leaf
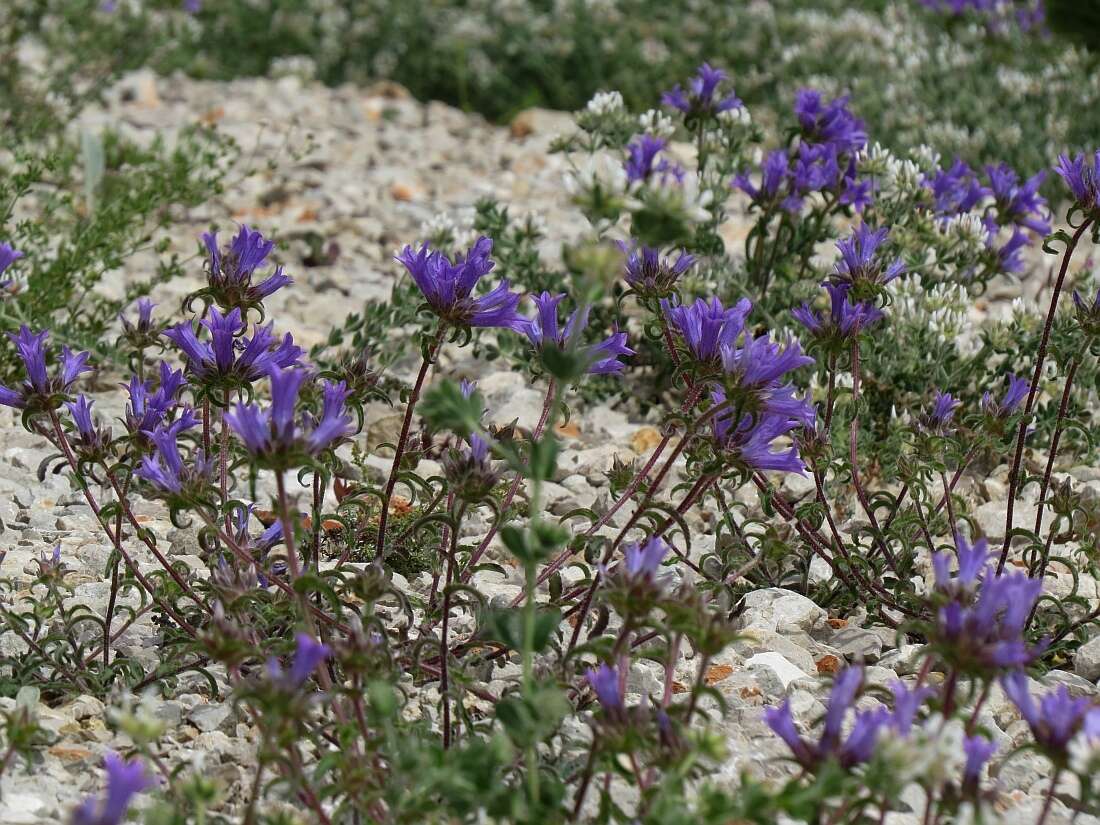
445, 408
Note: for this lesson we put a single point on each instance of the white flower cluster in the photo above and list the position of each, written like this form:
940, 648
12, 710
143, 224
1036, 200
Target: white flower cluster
656, 123
605, 103
940, 309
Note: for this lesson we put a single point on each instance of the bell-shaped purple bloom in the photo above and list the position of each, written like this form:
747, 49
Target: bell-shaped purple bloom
830, 123
861, 260
275, 434
39, 390
855, 749
641, 561
980, 629
447, 286
308, 655
752, 441
165, 468
1018, 203
144, 323
845, 320
774, 174
543, 331
978, 751
759, 364
81, 412
124, 781
604, 680
944, 405
706, 326
650, 273
147, 409
230, 270
641, 162
8, 256
1017, 391
973, 561
955, 190
1057, 717
700, 100
907, 701
228, 355
1082, 176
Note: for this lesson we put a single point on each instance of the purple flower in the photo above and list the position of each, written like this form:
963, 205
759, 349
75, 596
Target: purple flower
706, 327
604, 680
641, 158
274, 435
649, 273
752, 441
8, 256
955, 190
756, 369
230, 270
447, 286
973, 561
1018, 203
906, 704
845, 319
978, 750
165, 468
227, 355
829, 123
1055, 720
124, 781
148, 409
861, 260
192, 6
980, 628
543, 332
943, 410
774, 173
39, 391
1017, 391
642, 560
308, 654
855, 749
81, 412
1082, 178
144, 323
700, 100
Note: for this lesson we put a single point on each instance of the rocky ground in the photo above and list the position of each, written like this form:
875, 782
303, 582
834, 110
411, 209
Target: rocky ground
364, 169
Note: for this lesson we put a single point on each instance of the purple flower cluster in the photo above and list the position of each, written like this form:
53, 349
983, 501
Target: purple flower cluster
980, 624
650, 274
701, 100
845, 320
1056, 719
748, 371
124, 781
229, 358
824, 160
41, 391
1016, 207
230, 270
1082, 175
165, 468
643, 165
275, 436
944, 405
543, 331
147, 409
854, 749
447, 286
142, 328
862, 263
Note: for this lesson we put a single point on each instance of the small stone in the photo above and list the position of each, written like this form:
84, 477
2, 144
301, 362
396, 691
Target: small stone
210, 717
1086, 663
785, 611
777, 665
856, 643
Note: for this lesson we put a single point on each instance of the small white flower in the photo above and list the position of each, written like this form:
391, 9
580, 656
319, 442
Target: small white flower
605, 103
657, 123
